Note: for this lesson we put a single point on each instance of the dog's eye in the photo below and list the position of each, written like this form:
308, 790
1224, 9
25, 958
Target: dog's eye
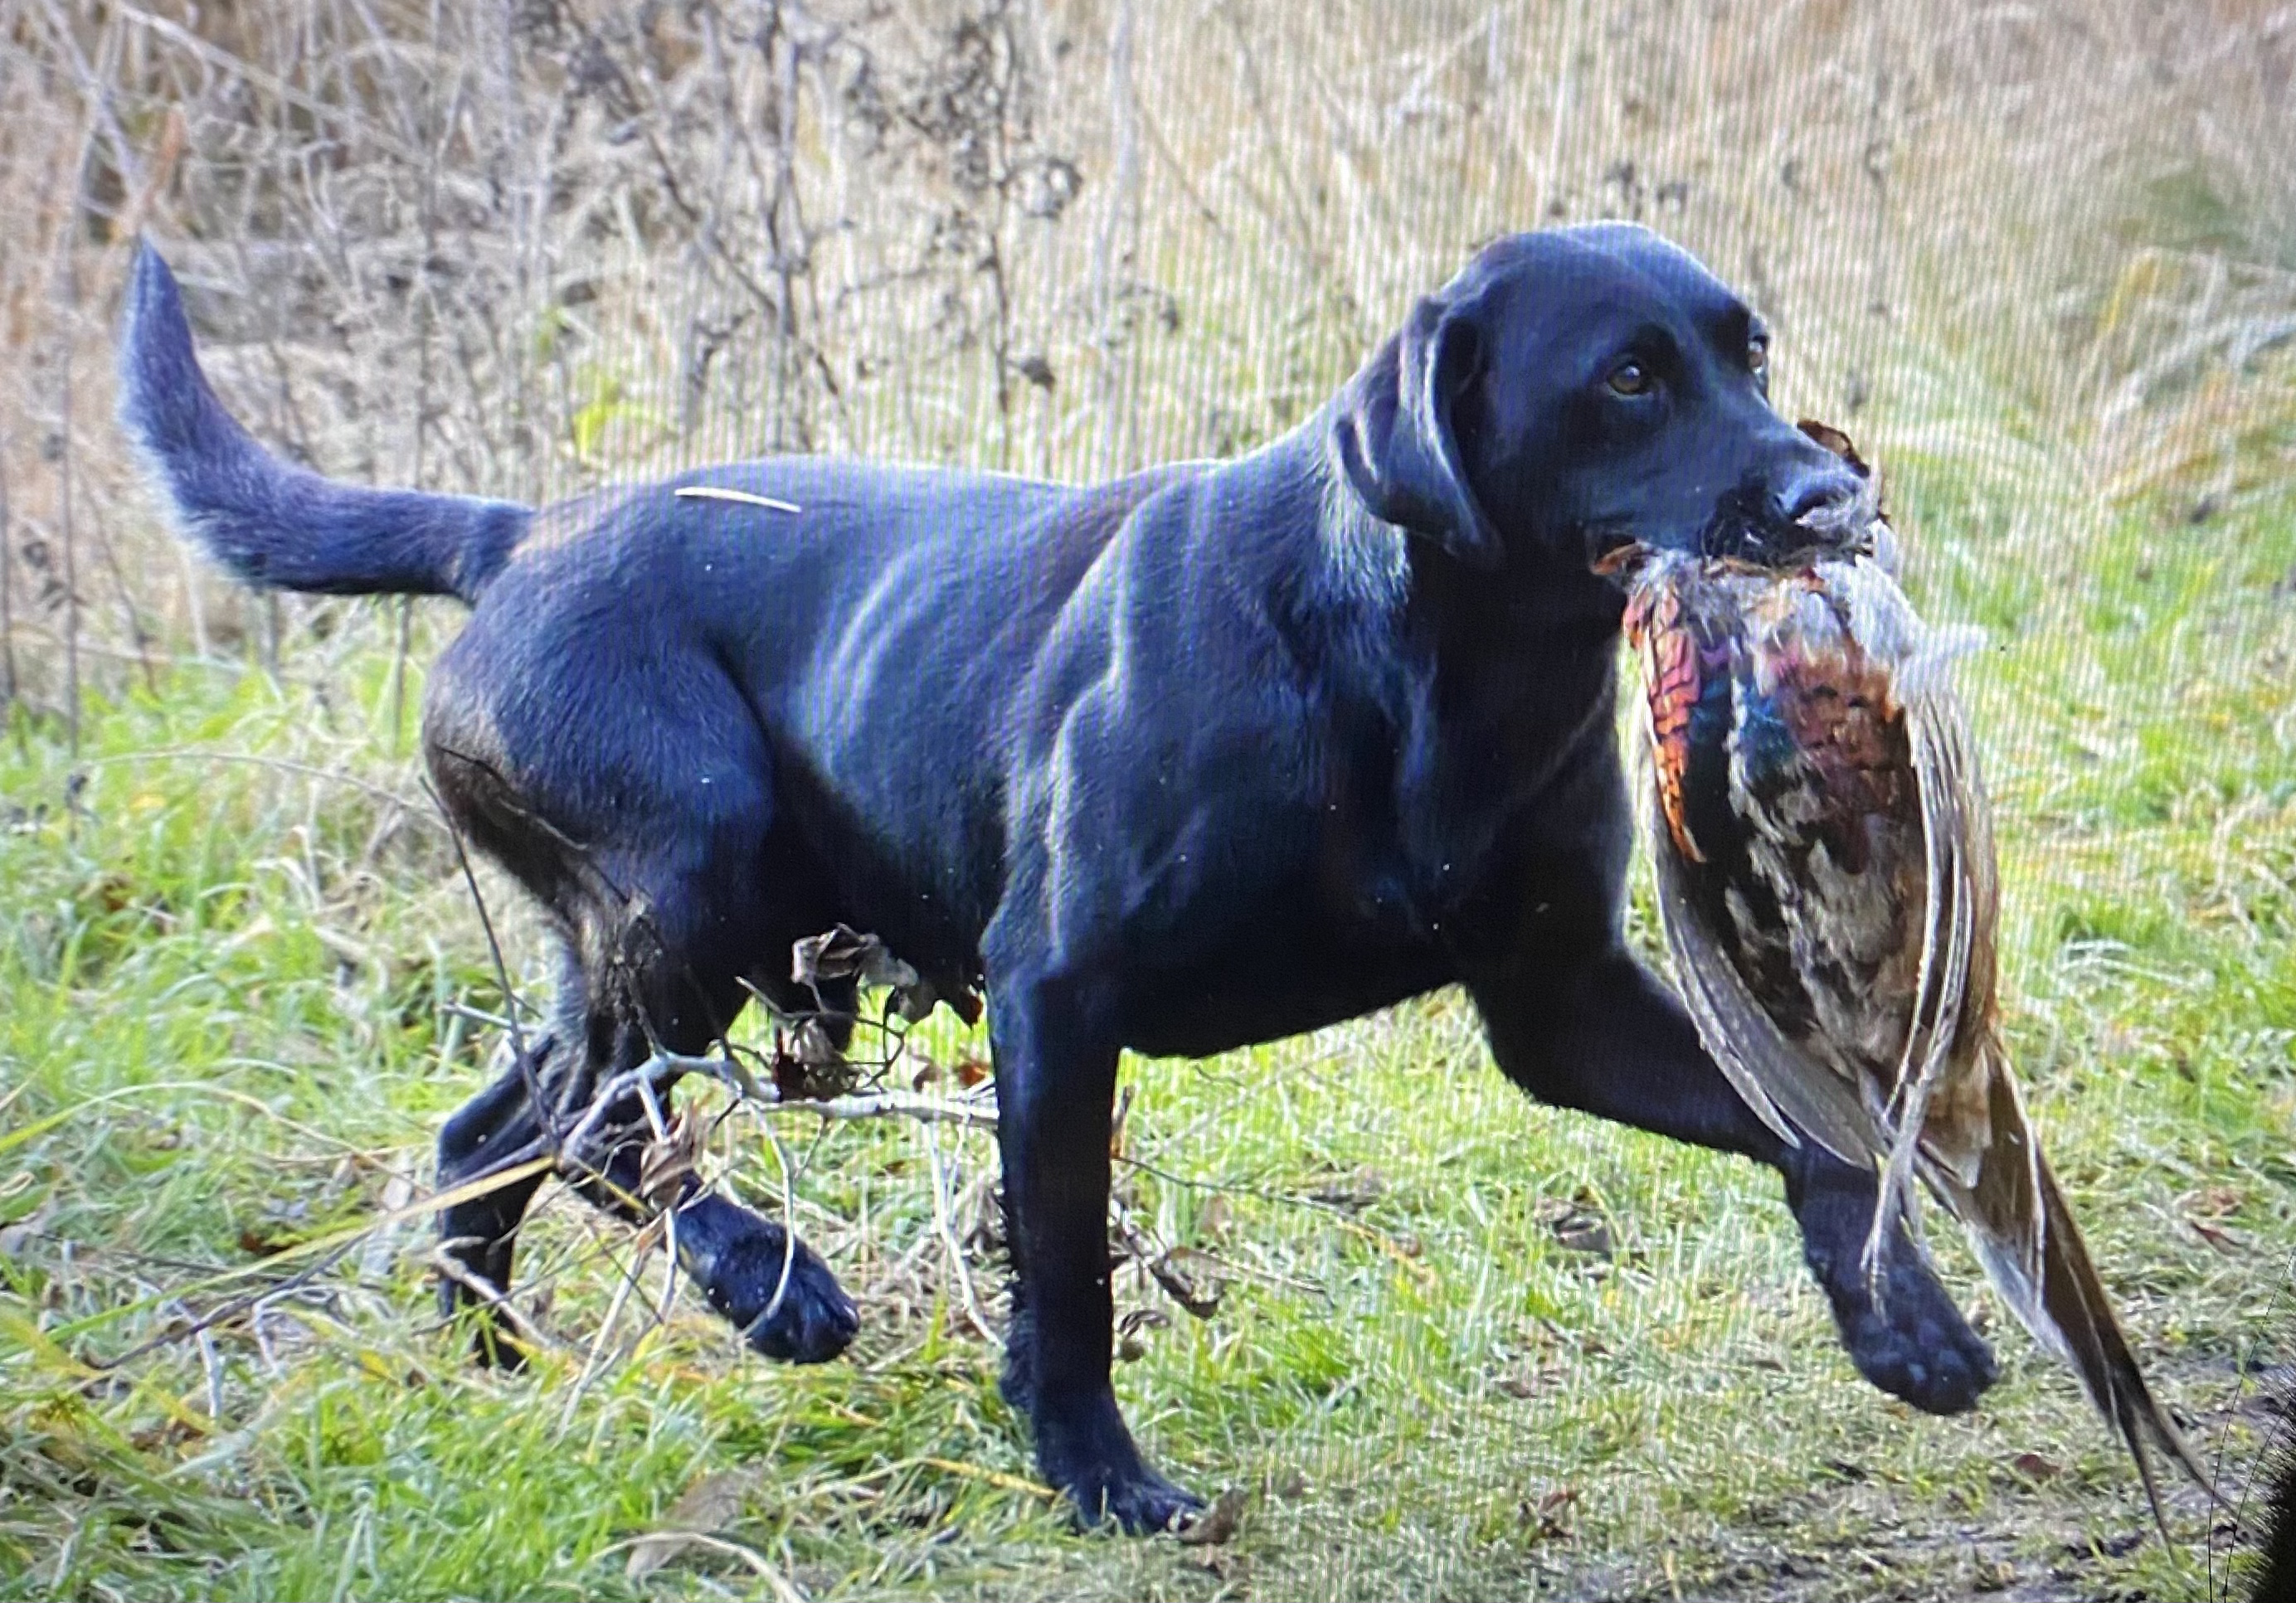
1758, 354
1629, 377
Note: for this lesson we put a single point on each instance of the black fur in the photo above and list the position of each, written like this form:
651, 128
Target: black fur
276, 525
2276, 1576
1199, 757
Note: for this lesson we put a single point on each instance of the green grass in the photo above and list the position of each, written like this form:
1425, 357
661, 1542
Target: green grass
226, 1029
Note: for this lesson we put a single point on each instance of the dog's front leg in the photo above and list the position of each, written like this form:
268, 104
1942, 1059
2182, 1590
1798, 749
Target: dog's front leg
1605, 1036
1055, 1083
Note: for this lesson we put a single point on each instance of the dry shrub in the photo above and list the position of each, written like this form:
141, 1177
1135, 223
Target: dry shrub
515, 249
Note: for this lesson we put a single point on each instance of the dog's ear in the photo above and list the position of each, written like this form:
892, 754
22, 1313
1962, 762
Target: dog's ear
1395, 437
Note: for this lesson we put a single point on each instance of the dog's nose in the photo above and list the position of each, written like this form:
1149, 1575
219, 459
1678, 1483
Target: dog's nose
1808, 491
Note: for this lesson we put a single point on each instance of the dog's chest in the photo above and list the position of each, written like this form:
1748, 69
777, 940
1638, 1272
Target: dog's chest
1325, 913
1446, 834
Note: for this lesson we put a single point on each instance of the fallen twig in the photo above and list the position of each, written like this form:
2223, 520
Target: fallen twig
478, 1286
1156, 1259
780, 1585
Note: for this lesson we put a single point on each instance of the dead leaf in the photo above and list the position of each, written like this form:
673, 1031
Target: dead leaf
1529, 1381
844, 953
2224, 1241
973, 1071
914, 1003
267, 1238
811, 1042
1215, 1525
808, 1066
666, 1163
1549, 1515
1203, 1303
707, 1507
1359, 1189
2036, 1468
15, 1237
1160, 1262
1577, 1227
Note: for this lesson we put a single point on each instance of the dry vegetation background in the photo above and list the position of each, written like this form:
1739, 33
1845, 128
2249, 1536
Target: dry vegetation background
2040, 259
516, 247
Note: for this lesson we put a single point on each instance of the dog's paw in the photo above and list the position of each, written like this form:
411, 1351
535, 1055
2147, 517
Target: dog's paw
1089, 1455
1910, 1339
739, 1261
1132, 1497
1913, 1343
1139, 1505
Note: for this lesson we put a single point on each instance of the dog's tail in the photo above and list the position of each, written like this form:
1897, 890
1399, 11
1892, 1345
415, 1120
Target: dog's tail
275, 525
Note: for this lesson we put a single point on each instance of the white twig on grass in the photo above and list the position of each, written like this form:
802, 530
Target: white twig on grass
897, 1104
975, 1112
648, 1238
944, 1221
443, 1261
783, 1587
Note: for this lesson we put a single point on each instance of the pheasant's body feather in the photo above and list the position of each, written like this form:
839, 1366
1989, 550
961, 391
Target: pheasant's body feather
1826, 877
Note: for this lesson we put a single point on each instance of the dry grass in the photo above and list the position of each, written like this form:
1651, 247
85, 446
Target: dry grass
2043, 259
515, 248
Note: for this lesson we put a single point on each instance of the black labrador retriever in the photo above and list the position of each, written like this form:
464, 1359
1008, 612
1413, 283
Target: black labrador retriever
1199, 757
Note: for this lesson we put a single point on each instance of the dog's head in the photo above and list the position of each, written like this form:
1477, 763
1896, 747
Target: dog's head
1578, 389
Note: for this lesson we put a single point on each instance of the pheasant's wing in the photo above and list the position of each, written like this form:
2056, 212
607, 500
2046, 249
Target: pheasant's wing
1683, 697
1788, 1089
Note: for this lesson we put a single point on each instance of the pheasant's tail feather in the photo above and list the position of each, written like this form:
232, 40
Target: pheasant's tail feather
2067, 1310
2073, 1293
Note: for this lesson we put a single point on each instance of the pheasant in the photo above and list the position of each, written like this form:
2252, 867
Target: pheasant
1825, 879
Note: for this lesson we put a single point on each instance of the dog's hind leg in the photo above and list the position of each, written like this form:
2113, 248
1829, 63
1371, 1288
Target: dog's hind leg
785, 1301
478, 1232
1606, 1037
487, 1134
658, 894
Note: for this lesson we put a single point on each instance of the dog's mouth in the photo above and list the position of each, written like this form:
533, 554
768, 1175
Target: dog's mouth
1747, 527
